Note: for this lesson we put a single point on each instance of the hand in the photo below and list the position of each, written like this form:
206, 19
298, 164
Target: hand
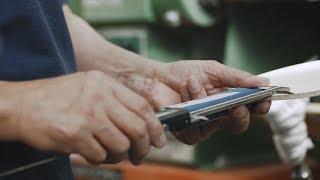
172, 83
87, 113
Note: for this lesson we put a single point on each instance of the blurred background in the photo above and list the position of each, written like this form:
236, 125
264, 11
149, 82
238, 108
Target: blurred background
252, 35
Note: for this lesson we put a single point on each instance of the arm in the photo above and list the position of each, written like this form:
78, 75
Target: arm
79, 113
94, 52
163, 84
9, 126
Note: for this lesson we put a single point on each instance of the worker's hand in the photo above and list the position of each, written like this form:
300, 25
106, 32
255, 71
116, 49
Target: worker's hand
181, 81
90, 114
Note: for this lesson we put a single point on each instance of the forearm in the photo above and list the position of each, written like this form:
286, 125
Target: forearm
94, 52
9, 123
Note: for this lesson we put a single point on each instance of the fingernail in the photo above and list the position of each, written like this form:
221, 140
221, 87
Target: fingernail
258, 81
264, 81
240, 112
265, 107
195, 84
162, 141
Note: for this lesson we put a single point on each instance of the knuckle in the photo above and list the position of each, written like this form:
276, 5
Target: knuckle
139, 131
69, 134
74, 134
143, 106
156, 127
149, 88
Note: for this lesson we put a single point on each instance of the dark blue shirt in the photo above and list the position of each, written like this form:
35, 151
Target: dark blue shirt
34, 44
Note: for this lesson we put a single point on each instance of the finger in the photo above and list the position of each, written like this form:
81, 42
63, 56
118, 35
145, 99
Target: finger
259, 108
209, 86
105, 132
263, 108
141, 107
231, 77
163, 96
113, 140
238, 120
195, 88
253, 81
91, 150
158, 94
188, 136
132, 126
184, 93
215, 91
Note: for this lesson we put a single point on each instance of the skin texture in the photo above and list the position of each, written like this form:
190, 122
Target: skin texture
107, 109
164, 83
186, 80
81, 113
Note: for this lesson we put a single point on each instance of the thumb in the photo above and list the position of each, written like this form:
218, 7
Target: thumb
226, 76
195, 88
253, 81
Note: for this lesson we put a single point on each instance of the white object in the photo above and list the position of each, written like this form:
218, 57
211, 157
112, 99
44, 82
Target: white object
286, 117
301, 78
290, 133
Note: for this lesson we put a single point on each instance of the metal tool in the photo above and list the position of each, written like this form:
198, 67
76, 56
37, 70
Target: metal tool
199, 112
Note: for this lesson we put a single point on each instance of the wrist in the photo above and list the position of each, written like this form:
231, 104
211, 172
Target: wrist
10, 124
149, 68
148, 72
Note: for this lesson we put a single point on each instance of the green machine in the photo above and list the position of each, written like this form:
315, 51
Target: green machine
255, 36
153, 28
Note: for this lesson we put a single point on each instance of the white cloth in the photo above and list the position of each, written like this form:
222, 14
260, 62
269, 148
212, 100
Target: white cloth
290, 134
286, 117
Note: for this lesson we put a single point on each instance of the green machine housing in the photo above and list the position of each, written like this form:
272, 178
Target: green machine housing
153, 28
